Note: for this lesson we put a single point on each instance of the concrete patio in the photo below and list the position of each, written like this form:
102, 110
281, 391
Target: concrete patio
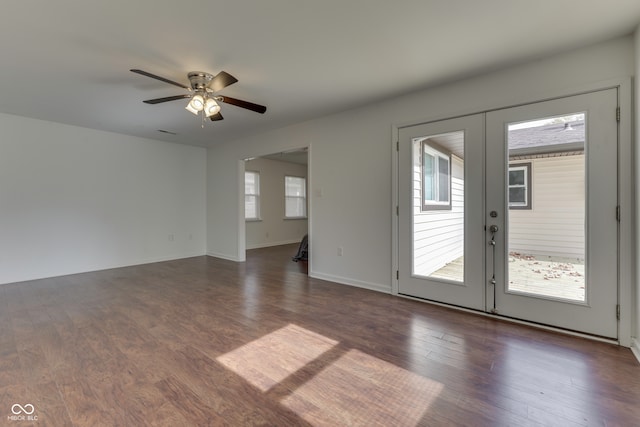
547, 276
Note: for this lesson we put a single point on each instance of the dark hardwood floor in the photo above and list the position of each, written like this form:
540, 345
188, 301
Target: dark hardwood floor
204, 341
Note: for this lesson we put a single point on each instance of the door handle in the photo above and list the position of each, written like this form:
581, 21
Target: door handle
493, 229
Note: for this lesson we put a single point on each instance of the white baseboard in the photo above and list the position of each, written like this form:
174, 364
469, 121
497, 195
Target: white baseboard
351, 282
269, 244
635, 348
223, 256
94, 268
165, 258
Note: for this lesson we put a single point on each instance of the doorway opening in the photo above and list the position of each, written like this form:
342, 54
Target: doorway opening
276, 207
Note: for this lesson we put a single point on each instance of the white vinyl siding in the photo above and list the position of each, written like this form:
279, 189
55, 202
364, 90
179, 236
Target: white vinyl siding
555, 225
438, 235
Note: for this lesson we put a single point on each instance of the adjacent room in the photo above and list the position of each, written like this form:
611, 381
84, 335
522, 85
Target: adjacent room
319, 213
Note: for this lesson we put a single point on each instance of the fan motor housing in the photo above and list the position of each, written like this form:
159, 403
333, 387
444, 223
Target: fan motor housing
199, 80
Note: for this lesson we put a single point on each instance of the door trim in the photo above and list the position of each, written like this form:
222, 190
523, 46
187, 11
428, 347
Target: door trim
626, 271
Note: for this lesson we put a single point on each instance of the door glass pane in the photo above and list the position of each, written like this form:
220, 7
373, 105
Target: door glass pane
438, 206
546, 220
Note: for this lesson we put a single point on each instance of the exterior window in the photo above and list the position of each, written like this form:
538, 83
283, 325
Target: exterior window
436, 179
520, 186
252, 196
295, 196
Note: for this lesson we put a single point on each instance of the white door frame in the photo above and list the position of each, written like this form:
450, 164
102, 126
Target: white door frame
625, 189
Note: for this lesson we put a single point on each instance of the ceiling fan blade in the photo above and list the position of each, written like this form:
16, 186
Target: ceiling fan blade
166, 99
162, 79
221, 80
244, 104
216, 117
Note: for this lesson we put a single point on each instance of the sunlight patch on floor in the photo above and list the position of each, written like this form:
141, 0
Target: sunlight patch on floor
267, 361
362, 390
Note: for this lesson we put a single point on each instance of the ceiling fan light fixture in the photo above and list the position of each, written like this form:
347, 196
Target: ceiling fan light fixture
196, 104
211, 107
191, 109
203, 88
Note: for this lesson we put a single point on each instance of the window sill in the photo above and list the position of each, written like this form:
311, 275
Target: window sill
287, 218
443, 207
253, 220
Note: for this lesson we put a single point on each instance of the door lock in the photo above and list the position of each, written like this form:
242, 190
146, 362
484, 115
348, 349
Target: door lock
493, 229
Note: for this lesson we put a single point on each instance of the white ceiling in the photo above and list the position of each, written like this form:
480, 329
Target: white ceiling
68, 61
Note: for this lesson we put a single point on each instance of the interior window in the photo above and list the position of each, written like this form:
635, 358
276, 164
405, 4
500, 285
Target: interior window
295, 193
251, 195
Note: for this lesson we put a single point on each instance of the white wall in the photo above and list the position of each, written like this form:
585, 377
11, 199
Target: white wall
273, 229
74, 199
351, 153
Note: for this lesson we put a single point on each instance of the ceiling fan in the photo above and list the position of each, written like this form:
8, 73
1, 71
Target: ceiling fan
202, 92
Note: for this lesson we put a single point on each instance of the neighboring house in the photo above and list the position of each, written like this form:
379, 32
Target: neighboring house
547, 176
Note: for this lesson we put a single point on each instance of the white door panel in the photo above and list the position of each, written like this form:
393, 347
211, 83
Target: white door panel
573, 212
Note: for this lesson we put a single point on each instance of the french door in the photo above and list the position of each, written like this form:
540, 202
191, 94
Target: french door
513, 212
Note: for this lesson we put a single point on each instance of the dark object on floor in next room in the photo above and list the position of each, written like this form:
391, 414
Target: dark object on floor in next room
303, 250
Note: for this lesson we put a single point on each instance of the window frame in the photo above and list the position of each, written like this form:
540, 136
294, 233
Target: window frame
256, 196
527, 185
303, 197
438, 153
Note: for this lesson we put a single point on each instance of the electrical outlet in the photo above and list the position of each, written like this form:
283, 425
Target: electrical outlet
340, 251
171, 237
